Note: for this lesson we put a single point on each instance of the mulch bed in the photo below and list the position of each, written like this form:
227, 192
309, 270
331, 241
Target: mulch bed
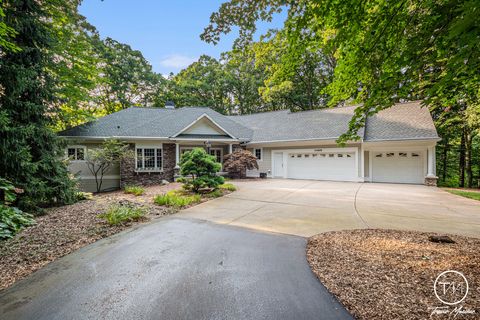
65, 229
386, 274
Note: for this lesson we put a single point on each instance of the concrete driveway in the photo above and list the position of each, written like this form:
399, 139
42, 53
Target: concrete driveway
305, 208
177, 269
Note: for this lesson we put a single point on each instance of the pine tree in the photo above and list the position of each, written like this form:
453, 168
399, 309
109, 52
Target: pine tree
30, 152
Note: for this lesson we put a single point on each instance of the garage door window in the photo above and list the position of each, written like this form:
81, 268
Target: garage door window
378, 155
414, 155
402, 154
390, 154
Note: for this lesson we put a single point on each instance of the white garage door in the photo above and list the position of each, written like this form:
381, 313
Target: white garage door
338, 166
397, 167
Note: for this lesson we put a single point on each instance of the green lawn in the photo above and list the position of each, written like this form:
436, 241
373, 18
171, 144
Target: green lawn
466, 194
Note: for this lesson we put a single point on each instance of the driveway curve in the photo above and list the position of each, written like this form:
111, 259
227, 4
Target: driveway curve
305, 208
177, 269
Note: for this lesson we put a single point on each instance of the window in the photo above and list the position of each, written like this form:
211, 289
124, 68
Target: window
331, 155
390, 154
402, 154
306, 156
378, 155
76, 153
349, 155
415, 154
149, 159
218, 154
258, 153
340, 155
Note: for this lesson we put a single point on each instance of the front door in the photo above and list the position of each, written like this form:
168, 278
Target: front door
217, 153
278, 164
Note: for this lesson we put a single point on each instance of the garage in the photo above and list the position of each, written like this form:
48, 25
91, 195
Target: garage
317, 165
398, 167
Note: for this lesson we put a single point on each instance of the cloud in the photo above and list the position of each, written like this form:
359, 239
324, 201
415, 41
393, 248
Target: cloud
176, 61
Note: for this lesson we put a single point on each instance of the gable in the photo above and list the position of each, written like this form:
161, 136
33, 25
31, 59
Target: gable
204, 126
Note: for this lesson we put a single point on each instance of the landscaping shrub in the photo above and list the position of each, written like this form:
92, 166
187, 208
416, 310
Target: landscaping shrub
117, 214
176, 199
135, 190
238, 162
12, 219
199, 170
215, 194
80, 195
227, 186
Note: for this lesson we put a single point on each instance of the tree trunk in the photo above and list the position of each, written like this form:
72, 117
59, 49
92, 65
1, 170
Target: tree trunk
468, 159
445, 160
461, 165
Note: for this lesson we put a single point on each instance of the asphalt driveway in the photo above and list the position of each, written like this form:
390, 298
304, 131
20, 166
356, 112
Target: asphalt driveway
177, 269
305, 208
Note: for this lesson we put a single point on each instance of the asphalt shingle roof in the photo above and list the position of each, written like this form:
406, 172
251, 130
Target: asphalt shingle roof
286, 125
400, 122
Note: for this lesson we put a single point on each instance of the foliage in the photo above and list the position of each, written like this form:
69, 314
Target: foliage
227, 186
12, 219
199, 170
7, 33
30, 151
176, 199
203, 83
214, 194
467, 194
84, 196
118, 214
384, 51
99, 160
238, 162
135, 190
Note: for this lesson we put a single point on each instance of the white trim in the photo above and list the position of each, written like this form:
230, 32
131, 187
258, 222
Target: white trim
323, 150
77, 146
221, 153
198, 119
202, 139
148, 146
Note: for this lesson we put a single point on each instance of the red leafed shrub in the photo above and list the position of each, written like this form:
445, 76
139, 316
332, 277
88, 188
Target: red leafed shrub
238, 162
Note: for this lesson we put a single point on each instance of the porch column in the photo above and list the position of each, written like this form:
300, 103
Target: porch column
230, 148
177, 155
362, 163
431, 162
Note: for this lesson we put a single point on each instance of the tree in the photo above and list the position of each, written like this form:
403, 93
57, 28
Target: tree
384, 51
7, 34
295, 79
128, 77
200, 170
238, 162
203, 83
30, 152
243, 80
101, 159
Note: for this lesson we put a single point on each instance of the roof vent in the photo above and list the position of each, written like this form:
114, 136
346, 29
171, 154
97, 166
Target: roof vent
169, 105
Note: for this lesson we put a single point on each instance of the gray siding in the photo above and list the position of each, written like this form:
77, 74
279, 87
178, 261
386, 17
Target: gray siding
86, 179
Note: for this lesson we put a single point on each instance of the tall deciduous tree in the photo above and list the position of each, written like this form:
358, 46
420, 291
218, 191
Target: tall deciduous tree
30, 152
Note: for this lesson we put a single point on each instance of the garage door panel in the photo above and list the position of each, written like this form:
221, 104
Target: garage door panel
398, 167
321, 166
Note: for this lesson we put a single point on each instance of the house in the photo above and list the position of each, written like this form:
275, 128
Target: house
397, 145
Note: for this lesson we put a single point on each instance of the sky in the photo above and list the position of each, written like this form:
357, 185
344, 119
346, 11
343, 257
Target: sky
166, 32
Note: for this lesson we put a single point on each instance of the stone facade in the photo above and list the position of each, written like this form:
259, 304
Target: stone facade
431, 181
128, 175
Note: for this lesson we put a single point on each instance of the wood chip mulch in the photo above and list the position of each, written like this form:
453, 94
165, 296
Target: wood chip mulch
65, 229
387, 274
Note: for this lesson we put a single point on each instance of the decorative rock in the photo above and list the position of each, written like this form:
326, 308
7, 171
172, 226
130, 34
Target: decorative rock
164, 182
440, 239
